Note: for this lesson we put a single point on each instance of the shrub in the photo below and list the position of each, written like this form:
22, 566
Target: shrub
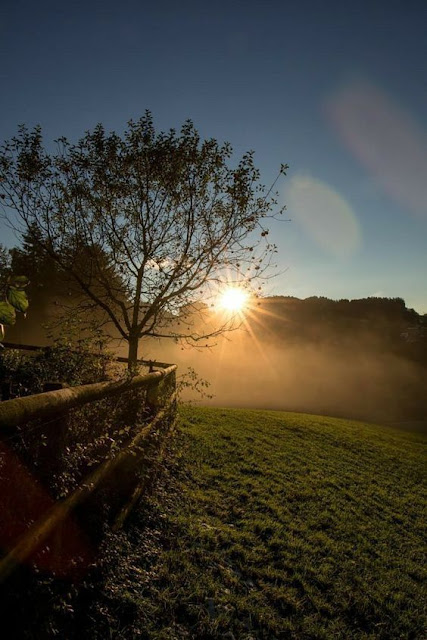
73, 363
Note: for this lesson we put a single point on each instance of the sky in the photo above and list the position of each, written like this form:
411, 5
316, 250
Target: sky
337, 90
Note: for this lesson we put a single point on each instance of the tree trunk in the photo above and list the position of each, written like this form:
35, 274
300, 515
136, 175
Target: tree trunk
133, 353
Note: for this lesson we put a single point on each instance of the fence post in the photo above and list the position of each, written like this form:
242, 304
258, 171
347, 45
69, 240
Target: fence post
158, 396
154, 398
51, 454
172, 391
6, 390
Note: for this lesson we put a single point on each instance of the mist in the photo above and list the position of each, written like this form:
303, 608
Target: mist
355, 359
346, 358
322, 380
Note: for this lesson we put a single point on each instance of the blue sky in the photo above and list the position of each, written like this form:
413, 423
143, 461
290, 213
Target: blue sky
338, 90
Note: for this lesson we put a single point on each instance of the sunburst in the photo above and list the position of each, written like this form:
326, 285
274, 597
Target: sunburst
233, 300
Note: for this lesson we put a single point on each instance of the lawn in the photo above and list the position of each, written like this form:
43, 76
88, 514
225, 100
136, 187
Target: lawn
276, 525
264, 525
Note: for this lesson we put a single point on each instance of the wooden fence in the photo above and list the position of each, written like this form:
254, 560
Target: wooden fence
160, 401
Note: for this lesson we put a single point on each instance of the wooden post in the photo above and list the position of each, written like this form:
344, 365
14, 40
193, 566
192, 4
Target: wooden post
51, 455
6, 390
154, 398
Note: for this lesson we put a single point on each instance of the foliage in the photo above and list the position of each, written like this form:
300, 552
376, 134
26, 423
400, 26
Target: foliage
13, 293
49, 288
192, 381
5, 266
29, 258
146, 223
68, 360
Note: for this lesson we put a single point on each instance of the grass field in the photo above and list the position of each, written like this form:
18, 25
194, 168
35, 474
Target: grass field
262, 525
274, 525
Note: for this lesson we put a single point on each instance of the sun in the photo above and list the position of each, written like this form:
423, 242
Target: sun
233, 299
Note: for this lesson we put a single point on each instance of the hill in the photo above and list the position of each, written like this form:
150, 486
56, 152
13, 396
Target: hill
373, 324
268, 525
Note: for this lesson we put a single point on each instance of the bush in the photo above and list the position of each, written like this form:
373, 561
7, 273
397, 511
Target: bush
73, 363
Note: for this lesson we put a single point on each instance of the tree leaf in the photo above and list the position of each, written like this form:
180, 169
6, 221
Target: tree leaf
7, 313
19, 282
18, 299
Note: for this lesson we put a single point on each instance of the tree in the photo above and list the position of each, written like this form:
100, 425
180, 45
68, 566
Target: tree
29, 258
56, 299
145, 223
5, 266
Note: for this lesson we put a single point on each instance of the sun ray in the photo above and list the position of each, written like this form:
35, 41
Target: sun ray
259, 347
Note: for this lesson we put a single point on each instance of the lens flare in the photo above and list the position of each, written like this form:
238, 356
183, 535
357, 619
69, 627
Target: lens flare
386, 139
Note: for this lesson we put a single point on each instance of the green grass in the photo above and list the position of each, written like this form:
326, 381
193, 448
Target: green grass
262, 525
276, 525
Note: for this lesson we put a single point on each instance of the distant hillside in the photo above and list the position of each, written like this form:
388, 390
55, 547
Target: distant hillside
384, 324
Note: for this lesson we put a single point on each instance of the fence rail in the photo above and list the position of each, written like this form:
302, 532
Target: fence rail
160, 387
18, 411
